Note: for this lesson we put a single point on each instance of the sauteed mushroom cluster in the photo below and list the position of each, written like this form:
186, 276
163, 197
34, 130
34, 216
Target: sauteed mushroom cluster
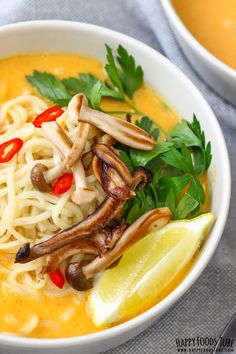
103, 234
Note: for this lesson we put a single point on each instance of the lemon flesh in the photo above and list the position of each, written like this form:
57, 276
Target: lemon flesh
146, 269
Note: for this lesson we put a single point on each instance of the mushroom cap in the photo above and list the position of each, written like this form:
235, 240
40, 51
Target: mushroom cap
75, 277
83, 195
37, 178
23, 252
141, 177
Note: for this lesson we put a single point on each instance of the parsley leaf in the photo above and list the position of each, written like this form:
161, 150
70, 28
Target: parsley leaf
85, 84
182, 134
112, 70
126, 159
50, 87
192, 136
147, 124
138, 206
170, 200
61, 91
96, 95
142, 158
131, 75
181, 160
196, 190
185, 206
206, 149
176, 184
127, 77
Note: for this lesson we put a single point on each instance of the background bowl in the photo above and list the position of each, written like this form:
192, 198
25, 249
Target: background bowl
218, 75
182, 95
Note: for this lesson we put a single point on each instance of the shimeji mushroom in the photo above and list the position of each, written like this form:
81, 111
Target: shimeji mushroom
106, 154
121, 130
41, 177
79, 277
108, 210
97, 244
82, 193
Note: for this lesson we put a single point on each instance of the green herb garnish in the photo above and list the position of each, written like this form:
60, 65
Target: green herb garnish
50, 87
149, 126
93, 88
124, 75
176, 173
177, 163
127, 77
192, 136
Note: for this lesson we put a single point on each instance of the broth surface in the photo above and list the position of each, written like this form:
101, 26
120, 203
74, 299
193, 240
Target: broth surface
213, 23
54, 312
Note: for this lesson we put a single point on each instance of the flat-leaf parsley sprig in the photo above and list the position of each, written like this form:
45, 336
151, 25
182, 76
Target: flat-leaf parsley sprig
177, 172
124, 77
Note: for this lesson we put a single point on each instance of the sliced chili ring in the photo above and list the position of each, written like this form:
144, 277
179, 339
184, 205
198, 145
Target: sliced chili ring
57, 278
9, 149
49, 115
63, 184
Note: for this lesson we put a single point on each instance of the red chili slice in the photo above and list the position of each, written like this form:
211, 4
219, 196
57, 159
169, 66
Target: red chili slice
57, 278
9, 149
49, 115
63, 184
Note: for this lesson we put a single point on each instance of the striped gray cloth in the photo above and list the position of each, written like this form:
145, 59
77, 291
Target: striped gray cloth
209, 304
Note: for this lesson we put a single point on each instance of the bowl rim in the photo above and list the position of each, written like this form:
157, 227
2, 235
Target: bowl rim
149, 315
193, 42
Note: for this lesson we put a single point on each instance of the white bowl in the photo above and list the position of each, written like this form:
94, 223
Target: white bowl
182, 95
221, 77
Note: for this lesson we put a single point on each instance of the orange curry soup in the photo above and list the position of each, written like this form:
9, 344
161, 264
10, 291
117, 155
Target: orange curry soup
213, 23
12, 83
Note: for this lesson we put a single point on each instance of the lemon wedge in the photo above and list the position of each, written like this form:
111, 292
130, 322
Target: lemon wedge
145, 270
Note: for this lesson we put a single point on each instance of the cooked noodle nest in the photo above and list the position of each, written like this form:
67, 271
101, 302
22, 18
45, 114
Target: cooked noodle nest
27, 215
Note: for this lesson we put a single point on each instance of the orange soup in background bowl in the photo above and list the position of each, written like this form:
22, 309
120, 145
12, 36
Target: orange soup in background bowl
213, 23
206, 31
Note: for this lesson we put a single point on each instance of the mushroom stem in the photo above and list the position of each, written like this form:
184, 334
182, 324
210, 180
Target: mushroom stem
100, 218
78, 145
121, 130
138, 229
54, 173
58, 137
87, 159
82, 194
117, 233
96, 168
53, 260
107, 140
96, 244
71, 153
